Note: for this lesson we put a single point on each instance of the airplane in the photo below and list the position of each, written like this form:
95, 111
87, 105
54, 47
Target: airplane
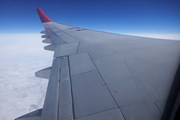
97, 75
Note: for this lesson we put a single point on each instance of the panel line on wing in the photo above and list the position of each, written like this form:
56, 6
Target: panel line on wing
71, 89
50, 107
119, 115
65, 106
55, 38
87, 85
145, 95
68, 39
107, 87
66, 49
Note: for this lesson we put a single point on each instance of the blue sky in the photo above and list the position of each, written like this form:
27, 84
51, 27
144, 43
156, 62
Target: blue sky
120, 16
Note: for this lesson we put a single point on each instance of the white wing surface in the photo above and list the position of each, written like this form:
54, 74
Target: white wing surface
105, 76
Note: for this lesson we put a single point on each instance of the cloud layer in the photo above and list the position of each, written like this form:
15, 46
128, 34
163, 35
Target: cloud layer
20, 57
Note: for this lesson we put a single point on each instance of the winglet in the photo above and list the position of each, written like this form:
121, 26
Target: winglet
42, 16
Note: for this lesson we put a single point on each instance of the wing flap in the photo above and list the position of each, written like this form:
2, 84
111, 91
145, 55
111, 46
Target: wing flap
30, 118
51, 102
35, 115
65, 100
65, 95
66, 49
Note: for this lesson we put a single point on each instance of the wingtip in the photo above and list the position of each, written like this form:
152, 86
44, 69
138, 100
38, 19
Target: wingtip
42, 16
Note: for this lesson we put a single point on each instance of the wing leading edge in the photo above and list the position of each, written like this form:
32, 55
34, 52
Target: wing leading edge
103, 76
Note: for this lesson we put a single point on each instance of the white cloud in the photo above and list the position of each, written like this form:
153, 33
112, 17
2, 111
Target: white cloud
20, 57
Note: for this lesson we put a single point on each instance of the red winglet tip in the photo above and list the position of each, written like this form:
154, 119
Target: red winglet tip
42, 16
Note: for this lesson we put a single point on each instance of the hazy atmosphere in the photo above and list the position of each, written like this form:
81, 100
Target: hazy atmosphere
21, 47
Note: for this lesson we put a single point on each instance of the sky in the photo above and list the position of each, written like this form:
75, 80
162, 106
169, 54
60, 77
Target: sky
119, 16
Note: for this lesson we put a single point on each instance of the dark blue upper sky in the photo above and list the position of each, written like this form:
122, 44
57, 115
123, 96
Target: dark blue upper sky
120, 16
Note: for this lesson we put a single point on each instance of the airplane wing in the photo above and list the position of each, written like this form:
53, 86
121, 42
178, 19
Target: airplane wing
104, 76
